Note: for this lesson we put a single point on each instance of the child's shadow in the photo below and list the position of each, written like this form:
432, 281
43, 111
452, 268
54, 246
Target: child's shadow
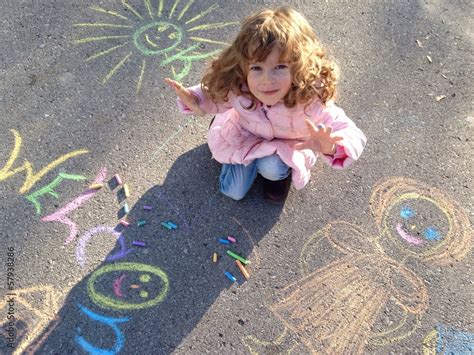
149, 299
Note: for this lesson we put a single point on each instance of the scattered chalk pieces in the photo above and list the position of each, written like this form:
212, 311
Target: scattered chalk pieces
214, 257
141, 223
232, 239
126, 191
242, 269
96, 186
118, 179
230, 276
124, 223
147, 208
138, 243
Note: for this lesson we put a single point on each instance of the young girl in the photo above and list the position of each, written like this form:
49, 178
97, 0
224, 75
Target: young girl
271, 94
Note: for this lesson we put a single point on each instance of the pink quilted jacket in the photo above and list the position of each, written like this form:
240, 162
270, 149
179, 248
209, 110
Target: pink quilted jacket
238, 136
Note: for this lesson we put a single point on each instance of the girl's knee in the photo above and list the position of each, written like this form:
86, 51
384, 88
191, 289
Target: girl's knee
233, 193
272, 168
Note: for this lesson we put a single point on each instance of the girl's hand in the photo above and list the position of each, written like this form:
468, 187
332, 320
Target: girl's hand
320, 140
185, 96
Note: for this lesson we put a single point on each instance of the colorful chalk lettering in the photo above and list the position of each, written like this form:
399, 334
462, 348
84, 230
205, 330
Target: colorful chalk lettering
49, 189
61, 214
112, 323
81, 244
31, 178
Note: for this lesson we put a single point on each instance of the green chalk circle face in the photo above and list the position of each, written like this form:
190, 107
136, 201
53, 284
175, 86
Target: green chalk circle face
157, 38
153, 286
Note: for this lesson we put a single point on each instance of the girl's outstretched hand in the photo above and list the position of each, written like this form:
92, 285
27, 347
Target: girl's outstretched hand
321, 140
185, 96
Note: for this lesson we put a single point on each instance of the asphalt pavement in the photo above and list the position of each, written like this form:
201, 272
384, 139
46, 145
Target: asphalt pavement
373, 259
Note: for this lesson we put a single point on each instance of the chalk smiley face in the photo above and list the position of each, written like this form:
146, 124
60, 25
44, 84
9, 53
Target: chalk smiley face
157, 38
417, 221
152, 288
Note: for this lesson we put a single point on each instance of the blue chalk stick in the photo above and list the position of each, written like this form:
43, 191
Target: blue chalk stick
224, 241
230, 276
172, 225
164, 224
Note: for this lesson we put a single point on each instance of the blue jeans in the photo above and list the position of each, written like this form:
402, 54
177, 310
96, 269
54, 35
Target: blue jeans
236, 179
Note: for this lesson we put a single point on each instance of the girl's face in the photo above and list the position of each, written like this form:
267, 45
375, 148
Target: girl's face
269, 81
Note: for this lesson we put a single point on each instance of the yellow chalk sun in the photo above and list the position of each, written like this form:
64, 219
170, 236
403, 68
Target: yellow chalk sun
173, 36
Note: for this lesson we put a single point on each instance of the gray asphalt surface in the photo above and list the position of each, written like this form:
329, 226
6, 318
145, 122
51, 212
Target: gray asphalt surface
330, 271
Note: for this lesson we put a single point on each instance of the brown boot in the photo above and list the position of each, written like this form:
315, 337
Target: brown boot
276, 191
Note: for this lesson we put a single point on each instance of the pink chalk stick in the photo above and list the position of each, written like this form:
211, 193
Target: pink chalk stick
118, 179
124, 223
232, 239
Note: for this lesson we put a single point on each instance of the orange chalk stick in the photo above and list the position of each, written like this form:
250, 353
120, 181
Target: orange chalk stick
242, 269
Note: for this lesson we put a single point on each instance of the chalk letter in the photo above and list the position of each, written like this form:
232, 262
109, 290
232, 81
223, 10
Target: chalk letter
111, 322
60, 215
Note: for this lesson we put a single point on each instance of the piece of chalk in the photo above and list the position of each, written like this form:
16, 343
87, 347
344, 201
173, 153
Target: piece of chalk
139, 243
124, 223
126, 191
118, 179
125, 208
230, 276
171, 224
141, 223
96, 186
242, 269
134, 286
214, 257
232, 239
224, 241
165, 224
237, 257
147, 208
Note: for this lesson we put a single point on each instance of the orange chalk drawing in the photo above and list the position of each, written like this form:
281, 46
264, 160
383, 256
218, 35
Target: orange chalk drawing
335, 308
37, 306
31, 178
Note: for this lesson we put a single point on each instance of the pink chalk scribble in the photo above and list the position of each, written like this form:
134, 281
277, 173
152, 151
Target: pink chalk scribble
118, 285
407, 236
61, 214
81, 244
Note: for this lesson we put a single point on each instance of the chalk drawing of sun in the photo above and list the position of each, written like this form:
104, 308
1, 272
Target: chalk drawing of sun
147, 31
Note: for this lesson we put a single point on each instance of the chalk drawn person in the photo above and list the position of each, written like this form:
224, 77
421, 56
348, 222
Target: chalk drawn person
334, 308
271, 92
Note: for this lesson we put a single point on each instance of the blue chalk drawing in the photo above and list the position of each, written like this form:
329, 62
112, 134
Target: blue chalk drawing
111, 322
453, 341
406, 213
432, 233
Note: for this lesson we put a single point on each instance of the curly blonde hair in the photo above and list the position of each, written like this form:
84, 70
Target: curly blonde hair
313, 74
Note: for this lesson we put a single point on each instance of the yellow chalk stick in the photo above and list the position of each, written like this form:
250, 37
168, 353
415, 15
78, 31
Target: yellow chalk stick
125, 190
214, 257
96, 186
